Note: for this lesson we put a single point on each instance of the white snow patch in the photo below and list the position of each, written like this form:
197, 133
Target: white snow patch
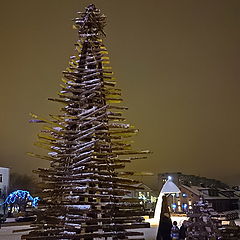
53, 154
79, 207
57, 128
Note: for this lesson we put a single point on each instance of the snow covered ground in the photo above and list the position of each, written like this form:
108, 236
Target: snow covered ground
6, 233
237, 222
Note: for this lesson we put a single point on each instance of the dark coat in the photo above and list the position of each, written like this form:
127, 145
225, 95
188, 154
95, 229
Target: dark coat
182, 232
164, 229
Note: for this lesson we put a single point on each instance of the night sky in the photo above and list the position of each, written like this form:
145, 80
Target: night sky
176, 61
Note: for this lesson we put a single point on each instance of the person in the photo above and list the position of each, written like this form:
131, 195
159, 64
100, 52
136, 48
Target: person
165, 226
175, 231
183, 230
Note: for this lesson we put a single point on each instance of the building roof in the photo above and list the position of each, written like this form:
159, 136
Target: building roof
199, 192
170, 187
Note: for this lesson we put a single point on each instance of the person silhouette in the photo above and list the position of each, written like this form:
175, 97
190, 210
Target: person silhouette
182, 231
165, 223
175, 231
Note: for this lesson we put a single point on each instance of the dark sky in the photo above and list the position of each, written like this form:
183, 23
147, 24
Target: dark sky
177, 63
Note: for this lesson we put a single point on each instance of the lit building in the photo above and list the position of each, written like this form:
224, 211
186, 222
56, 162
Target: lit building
193, 188
189, 180
4, 182
147, 197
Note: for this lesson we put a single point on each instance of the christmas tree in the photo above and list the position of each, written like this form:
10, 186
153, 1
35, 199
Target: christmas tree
205, 223
85, 192
202, 223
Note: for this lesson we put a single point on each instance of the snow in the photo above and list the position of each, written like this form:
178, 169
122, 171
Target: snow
78, 226
69, 233
79, 207
170, 187
55, 148
72, 197
57, 128
52, 154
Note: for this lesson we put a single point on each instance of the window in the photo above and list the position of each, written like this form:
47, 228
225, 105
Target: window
184, 206
213, 192
174, 205
1, 178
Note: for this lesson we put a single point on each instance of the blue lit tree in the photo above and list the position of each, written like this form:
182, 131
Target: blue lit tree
20, 199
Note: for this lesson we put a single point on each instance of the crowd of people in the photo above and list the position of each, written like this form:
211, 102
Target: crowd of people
170, 231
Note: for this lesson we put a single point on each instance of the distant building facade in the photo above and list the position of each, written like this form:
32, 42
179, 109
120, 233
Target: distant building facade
237, 193
148, 197
189, 180
193, 188
4, 182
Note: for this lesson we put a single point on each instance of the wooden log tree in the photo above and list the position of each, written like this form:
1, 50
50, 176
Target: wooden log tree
85, 191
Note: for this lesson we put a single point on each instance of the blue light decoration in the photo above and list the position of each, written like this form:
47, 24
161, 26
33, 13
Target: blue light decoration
184, 206
174, 205
21, 195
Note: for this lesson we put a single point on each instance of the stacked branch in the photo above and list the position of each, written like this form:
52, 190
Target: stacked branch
201, 223
85, 192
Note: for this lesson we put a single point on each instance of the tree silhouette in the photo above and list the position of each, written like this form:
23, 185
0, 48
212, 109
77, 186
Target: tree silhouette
22, 182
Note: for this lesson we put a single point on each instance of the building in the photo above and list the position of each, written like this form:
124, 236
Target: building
237, 193
193, 188
4, 182
163, 177
148, 197
4, 186
189, 180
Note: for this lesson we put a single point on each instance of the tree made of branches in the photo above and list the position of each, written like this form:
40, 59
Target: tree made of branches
85, 192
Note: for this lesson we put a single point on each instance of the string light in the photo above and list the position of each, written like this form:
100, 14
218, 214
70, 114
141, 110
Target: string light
22, 195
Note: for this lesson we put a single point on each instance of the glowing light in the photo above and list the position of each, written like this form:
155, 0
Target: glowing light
169, 178
185, 205
174, 205
23, 195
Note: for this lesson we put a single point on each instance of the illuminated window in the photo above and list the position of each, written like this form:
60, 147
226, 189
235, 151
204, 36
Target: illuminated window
153, 199
184, 206
179, 203
190, 202
174, 205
